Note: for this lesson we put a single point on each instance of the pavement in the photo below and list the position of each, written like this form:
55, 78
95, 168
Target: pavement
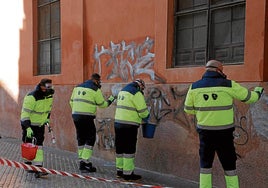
66, 161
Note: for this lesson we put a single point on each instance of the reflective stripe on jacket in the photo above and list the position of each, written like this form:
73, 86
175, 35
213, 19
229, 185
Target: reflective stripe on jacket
85, 99
211, 100
131, 107
36, 108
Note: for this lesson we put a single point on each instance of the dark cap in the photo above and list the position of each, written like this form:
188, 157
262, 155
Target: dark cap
140, 82
95, 76
44, 81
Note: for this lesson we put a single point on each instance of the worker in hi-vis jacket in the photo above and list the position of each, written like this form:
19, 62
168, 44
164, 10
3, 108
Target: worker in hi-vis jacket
211, 99
85, 99
131, 110
35, 114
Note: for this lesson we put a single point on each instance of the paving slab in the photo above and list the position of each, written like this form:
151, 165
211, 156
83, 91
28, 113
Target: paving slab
66, 161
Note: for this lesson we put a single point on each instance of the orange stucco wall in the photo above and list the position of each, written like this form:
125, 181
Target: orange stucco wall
100, 22
86, 23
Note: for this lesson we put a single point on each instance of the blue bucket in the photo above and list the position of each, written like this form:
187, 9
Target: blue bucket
148, 130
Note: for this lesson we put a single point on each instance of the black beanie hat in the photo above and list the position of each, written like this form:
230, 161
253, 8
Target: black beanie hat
44, 81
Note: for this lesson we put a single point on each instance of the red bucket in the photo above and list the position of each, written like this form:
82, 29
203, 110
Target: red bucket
28, 150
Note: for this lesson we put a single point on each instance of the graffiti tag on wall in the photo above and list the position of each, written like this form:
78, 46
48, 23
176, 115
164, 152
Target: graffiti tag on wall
127, 60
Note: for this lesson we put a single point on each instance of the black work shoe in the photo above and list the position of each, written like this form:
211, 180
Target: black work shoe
131, 177
86, 167
29, 163
90, 167
119, 174
40, 174
89, 164
30, 171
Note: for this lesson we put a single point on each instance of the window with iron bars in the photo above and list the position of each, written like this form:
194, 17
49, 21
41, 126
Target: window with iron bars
49, 38
208, 29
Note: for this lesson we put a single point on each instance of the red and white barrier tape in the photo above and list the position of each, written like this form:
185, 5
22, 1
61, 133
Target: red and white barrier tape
62, 173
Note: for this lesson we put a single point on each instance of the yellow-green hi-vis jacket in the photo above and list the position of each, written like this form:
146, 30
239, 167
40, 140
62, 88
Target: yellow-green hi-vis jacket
36, 108
211, 100
85, 99
131, 106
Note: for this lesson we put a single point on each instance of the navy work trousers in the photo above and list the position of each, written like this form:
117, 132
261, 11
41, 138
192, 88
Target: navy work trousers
220, 142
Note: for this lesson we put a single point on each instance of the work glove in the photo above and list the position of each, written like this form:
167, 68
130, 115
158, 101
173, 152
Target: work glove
47, 121
146, 120
49, 127
29, 133
111, 99
259, 90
